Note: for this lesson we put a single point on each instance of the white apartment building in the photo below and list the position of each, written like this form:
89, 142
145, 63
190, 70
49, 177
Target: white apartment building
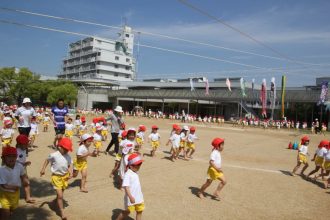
99, 58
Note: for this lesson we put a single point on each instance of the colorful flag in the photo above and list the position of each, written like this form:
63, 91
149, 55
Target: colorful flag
243, 87
273, 95
283, 95
253, 80
191, 85
324, 92
228, 84
263, 96
207, 87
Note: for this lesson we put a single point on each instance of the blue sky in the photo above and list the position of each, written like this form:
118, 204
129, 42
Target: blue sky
298, 29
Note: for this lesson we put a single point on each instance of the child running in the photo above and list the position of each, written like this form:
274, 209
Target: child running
82, 127
119, 155
175, 140
80, 163
33, 132
97, 140
214, 171
154, 137
319, 157
183, 142
326, 167
191, 142
61, 168
133, 199
302, 156
7, 133
77, 124
69, 127
12, 175
22, 143
45, 122
140, 137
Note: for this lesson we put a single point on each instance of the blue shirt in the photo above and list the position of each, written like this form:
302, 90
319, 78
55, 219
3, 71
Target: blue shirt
59, 116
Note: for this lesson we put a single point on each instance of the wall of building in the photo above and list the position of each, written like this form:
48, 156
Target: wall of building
86, 100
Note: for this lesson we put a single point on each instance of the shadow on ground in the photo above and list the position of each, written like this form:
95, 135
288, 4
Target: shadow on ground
116, 212
30, 212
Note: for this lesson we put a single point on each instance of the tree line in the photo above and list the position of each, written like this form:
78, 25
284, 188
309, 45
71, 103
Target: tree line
15, 84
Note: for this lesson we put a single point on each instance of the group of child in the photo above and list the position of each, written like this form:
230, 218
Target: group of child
321, 159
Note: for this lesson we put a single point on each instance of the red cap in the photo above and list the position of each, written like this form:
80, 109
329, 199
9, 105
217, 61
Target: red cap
123, 125
174, 126
324, 143
65, 143
192, 128
6, 151
142, 128
83, 119
304, 139
178, 128
124, 134
217, 141
134, 159
154, 127
22, 139
8, 122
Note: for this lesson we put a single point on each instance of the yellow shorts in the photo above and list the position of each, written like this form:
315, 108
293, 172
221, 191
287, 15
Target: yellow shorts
45, 123
155, 144
68, 133
104, 133
302, 158
191, 145
6, 141
120, 139
139, 141
9, 200
137, 207
82, 132
326, 165
93, 130
183, 144
213, 174
98, 144
79, 164
118, 157
60, 182
319, 161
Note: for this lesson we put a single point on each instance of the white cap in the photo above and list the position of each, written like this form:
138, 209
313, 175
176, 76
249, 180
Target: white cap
119, 109
131, 129
84, 137
185, 128
27, 100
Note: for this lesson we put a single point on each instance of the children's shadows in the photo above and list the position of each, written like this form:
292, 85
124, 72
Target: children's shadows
52, 205
30, 212
317, 183
288, 173
195, 191
39, 188
116, 213
75, 183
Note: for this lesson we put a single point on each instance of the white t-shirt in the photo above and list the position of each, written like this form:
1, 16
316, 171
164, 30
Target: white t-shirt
34, 129
303, 149
21, 155
83, 127
77, 122
154, 137
327, 155
127, 146
46, 118
131, 180
216, 158
7, 132
82, 149
140, 135
59, 163
11, 176
192, 138
320, 152
69, 127
27, 114
97, 137
183, 136
175, 139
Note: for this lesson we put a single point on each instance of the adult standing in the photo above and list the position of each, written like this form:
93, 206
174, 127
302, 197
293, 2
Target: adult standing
116, 122
58, 117
24, 114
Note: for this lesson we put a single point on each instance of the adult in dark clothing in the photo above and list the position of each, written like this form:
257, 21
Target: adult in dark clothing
116, 122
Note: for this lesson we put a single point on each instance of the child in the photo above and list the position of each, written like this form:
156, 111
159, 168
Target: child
154, 137
319, 157
46, 121
80, 163
119, 154
140, 136
77, 124
175, 140
12, 175
82, 128
69, 127
97, 140
33, 132
7, 133
214, 171
133, 199
326, 167
61, 168
22, 143
183, 142
302, 156
191, 142
104, 132
128, 147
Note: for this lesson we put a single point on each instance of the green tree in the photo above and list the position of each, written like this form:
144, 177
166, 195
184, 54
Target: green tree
66, 91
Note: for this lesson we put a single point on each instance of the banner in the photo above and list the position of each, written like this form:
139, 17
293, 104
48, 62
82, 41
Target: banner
243, 87
283, 95
253, 80
324, 92
191, 85
272, 95
207, 87
263, 97
228, 84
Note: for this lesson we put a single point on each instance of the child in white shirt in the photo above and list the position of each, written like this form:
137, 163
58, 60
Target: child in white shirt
33, 132
7, 133
154, 137
319, 157
191, 142
175, 140
69, 127
302, 156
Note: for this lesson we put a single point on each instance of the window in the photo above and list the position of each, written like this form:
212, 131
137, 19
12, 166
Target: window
116, 58
98, 62
127, 59
116, 74
127, 35
98, 53
116, 66
97, 71
127, 67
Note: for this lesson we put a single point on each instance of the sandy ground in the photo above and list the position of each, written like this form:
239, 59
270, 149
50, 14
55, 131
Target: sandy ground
256, 164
